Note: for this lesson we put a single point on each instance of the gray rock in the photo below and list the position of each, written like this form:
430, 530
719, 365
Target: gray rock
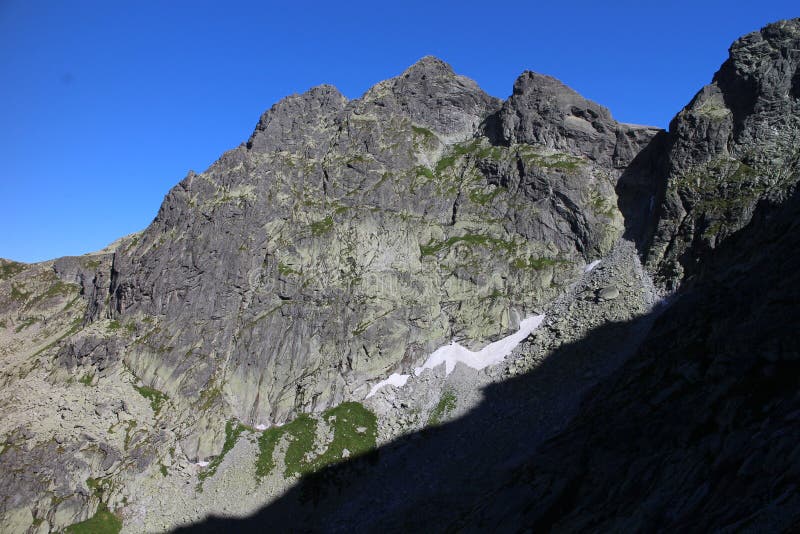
608, 293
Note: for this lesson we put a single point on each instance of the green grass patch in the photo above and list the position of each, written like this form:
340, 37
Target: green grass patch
355, 428
102, 522
266, 450
86, 379
423, 132
156, 397
558, 161
422, 170
233, 430
322, 227
285, 269
482, 198
114, 325
445, 406
347, 419
302, 432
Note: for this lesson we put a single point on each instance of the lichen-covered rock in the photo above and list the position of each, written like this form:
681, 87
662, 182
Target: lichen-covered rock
734, 146
343, 234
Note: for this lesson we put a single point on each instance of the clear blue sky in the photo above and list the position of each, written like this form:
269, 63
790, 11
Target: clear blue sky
105, 105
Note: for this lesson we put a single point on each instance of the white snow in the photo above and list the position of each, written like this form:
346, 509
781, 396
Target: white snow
491, 354
591, 266
201, 464
261, 426
395, 379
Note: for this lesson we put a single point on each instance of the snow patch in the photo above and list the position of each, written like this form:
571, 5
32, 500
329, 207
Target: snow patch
491, 354
201, 464
261, 426
396, 380
591, 266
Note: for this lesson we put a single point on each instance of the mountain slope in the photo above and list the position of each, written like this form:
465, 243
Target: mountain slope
696, 431
221, 359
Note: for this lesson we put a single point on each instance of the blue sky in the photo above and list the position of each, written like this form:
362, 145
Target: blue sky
106, 105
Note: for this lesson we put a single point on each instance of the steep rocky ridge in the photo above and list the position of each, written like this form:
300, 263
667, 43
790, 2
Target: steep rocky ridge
344, 241
347, 240
734, 146
697, 430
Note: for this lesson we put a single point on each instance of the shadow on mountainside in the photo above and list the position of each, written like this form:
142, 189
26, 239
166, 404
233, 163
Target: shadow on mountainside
426, 480
640, 191
699, 430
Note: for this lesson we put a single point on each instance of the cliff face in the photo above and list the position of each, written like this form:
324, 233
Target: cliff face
696, 430
347, 240
734, 146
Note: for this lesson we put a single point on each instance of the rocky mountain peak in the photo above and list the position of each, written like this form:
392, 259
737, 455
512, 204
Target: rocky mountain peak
544, 111
429, 66
286, 125
434, 96
732, 146
287, 301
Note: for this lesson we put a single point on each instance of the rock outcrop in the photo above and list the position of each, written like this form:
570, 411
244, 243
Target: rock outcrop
346, 240
733, 147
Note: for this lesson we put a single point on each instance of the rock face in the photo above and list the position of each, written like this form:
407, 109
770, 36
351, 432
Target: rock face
733, 147
346, 240
697, 429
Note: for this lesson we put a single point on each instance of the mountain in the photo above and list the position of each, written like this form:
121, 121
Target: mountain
268, 351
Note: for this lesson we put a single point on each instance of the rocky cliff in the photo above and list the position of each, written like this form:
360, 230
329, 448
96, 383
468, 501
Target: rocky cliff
207, 363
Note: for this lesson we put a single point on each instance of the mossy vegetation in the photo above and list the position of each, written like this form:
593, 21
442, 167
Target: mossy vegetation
233, 429
156, 397
482, 197
355, 430
301, 433
322, 227
559, 161
421, 170
102, 522
445, 406
286, 269
209, 396
423, 132
87, 379
267, 442
600, 205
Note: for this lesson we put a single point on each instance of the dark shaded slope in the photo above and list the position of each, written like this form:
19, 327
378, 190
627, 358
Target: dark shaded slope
700, 430
426, 481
